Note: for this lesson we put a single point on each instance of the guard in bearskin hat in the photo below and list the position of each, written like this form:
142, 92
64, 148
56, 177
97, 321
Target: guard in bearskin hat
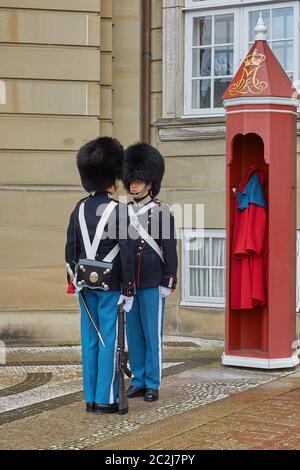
152, 231
101, 261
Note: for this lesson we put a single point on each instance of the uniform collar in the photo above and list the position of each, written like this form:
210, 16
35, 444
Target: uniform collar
142, 202
102, 193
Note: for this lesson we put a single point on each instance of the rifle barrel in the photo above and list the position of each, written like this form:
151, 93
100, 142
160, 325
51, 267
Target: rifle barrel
121, 364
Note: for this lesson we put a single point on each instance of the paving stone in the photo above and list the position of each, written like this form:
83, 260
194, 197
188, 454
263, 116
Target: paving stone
203, 405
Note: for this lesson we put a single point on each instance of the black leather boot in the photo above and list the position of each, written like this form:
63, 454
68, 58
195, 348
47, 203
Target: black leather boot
151, 394
90, 407
109, 408
133, 392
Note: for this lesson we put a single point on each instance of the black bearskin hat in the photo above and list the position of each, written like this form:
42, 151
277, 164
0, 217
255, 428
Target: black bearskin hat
99, 163
143, 162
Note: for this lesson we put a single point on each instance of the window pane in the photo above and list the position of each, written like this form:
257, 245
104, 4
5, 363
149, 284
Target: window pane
224, 60
284, 53
282, 23
201, 93
202, 62
224, 29
221, 86
218, 252
218, 283
253, 18
199, 279
199, 252
202, 31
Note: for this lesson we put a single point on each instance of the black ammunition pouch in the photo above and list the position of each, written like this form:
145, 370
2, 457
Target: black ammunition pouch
93, 274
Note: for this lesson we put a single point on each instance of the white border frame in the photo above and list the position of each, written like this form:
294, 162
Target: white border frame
298, 271
193, 301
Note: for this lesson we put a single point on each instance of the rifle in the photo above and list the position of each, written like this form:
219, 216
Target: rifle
121, 362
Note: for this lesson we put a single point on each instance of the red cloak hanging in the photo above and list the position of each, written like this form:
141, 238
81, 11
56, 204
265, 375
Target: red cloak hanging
249, 247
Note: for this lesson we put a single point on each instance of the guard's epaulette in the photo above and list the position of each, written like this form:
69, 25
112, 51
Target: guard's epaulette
76, 208
82, 200
157, 201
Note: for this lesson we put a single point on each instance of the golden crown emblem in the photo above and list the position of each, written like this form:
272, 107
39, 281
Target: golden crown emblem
255, 58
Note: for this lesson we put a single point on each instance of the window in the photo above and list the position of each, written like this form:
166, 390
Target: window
281, 33
203, 268
217, 41
211, 59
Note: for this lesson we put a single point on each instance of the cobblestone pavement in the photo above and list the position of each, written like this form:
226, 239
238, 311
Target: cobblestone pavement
202, 405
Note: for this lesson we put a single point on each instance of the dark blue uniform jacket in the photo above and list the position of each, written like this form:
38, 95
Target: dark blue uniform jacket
123, 264
150, 270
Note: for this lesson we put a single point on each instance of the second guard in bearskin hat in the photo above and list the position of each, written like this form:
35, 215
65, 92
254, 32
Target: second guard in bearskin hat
154, 245
102, 262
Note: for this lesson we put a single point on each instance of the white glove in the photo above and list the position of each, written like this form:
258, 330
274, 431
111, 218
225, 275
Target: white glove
77, 288
128, 302
164, 291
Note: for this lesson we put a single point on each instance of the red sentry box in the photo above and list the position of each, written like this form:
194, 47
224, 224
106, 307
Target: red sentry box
261, 114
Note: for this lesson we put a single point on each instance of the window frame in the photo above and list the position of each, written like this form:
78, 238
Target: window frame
241, 36
295, 4
188, 63
213, 4
192, 301
187, 299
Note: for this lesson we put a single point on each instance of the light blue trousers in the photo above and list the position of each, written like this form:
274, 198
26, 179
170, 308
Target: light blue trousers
144, 325
100, 382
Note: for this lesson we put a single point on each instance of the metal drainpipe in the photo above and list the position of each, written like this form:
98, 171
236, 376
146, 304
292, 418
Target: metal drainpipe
146, 71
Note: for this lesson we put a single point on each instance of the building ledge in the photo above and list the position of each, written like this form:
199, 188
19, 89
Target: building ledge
190, 128
209, 128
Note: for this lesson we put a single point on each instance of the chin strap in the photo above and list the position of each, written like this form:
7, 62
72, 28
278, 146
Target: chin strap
146, 188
